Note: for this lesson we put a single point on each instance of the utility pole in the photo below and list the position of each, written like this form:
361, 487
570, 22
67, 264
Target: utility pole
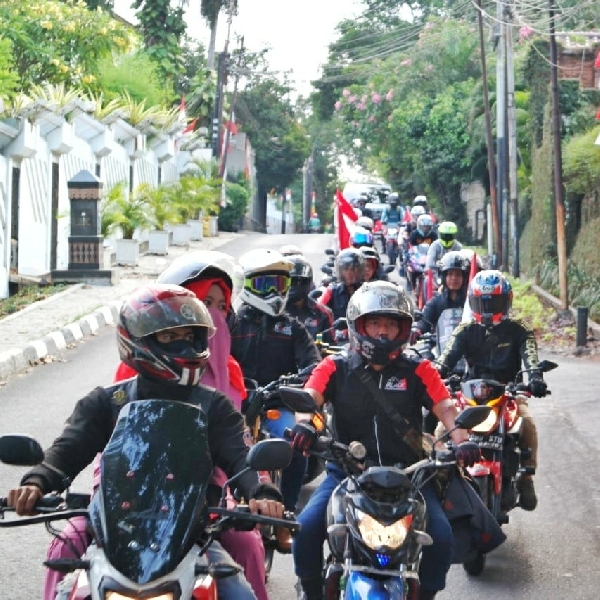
494, 222
512, 148
561, 244
501, 129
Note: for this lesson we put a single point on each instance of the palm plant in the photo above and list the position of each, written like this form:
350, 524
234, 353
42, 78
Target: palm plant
130, 212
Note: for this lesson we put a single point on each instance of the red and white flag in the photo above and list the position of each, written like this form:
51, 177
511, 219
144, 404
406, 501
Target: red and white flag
345, 216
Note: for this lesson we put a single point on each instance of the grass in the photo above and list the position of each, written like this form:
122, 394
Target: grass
28, 295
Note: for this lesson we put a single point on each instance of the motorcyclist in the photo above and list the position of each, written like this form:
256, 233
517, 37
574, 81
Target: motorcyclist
314, 223
392, 214
373, 267
361, 237
379, 320
317, 318
424, 233
365, 223
361, 204
269, 343
446, 242
494, 346
350, 274
162, 334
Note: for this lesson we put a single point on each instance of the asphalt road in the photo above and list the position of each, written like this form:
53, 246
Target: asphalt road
550, 554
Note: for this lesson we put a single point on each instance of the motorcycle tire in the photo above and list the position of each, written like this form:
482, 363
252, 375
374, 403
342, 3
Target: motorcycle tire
475, 566
268, 533
392, 253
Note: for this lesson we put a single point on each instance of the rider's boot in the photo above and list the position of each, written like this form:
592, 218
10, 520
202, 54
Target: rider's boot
309, 589
527, 497
426, 594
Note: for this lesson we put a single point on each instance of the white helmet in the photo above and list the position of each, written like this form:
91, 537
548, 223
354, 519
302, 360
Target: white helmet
266, 280
290, 250
365, 222
416, 212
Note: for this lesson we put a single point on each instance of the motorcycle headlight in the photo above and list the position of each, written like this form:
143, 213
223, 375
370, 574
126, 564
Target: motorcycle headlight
376, 535
488, 424
119, 596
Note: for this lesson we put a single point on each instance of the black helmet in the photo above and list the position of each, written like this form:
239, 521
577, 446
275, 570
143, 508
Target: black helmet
156, 308
454, 260
350, 259
371, 254
302, 279
378, 298
393, 199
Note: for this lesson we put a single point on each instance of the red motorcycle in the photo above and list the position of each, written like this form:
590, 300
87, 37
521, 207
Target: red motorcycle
499, 437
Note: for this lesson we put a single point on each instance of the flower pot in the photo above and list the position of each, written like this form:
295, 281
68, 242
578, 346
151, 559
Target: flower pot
214, 226
158, 242
128, 252
108, 258
181, 235
196, 225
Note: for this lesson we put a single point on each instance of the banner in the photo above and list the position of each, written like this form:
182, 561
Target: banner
344, 213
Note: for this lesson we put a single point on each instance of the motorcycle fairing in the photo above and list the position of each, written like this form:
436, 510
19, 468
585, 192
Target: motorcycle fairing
361, 585
154, 475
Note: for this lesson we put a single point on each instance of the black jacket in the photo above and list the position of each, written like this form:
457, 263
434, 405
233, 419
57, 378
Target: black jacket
336, 297
267, 347
317, 318
409, 383
91, 424
436, 306
496, 353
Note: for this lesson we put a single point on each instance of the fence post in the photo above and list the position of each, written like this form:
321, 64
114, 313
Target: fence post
582, 326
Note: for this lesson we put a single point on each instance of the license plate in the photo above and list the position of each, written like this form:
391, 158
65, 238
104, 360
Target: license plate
487, 441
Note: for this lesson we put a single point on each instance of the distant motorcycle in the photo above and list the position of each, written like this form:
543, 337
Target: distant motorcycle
391, 243
415, 272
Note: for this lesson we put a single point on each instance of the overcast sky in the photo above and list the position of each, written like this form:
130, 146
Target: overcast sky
297, 33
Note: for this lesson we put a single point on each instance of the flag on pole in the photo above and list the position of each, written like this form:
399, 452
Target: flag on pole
313, 202
345, 214
467, 312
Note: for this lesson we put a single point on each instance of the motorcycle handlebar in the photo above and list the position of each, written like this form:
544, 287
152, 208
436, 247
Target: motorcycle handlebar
288, 521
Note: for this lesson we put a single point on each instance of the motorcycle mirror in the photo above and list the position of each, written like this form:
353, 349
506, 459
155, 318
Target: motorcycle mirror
417, 314
269, 455
472, 416
389, 268
216, 570
315, 294
297, 400
341, 323
330, 251
547, 365
20, 450
327, 270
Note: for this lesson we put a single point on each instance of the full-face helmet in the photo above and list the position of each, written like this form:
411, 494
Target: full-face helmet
416, 212
454, 260
490, 297
378, 298
302, 279
424, 225
157, 308
266, 280
350, 267
421, 201
447, 233
393, 199
361, 237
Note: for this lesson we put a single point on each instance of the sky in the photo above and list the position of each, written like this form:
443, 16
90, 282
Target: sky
298, 34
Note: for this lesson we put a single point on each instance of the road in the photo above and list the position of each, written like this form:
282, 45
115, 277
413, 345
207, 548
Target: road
550, 554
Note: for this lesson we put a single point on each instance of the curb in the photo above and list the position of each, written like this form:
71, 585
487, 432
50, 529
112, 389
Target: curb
52, 344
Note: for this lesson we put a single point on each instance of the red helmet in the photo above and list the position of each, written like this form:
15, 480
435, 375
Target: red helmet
156, 308
490, 297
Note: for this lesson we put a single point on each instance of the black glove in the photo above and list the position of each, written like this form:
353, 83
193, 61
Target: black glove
303, 436
538, 387
468, 453
415, 334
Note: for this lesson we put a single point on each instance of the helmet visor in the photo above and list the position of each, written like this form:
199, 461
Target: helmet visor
263, 285
491, 305
447, 238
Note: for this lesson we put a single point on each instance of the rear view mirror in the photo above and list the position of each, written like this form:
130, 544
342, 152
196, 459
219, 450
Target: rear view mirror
389, 268
20, 450
330, 251
269, 455
472, 416
315, 294
547, 365
327, 270
297, 400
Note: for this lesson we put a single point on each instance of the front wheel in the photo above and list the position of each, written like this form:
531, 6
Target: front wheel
392, 252
476, 565
268, 532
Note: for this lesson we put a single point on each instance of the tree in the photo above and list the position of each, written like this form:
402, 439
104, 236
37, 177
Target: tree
210, 9
8, 78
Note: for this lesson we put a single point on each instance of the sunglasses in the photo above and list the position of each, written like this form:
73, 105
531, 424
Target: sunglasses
265, 284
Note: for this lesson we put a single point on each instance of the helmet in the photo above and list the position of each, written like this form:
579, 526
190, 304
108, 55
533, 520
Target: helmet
266, 280
416, 212
447, 232
361, 237
468, 254
302, 279
350, 259
454, 260
160, 307
421, 201
424, 225
370, 254
203, 264
490, 297
365, 223
378, 298
290, 250
393, 199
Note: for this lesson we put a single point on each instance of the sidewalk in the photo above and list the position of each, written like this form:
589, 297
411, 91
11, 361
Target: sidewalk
48, 327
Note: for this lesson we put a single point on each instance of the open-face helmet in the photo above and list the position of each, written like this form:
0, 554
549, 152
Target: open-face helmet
365, 223
378, 298
361, 237
290, 250
490, 297
266, 280
454, 260
424, 225
447, 233
350, 267
302, 279
156, 308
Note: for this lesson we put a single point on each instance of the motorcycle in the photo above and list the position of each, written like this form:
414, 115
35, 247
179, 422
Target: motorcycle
262, 404
376, 516
499, 472
149, 521
390, 237
415, 272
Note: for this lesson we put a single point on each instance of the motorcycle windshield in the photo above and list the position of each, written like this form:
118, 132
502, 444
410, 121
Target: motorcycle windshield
447, 322
155, 471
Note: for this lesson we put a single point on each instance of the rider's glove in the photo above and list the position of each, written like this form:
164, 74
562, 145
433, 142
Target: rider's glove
468, 453
303, 436
538, 387
415, 334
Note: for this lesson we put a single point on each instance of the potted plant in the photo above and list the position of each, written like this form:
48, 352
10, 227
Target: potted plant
131, 214
163, 213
